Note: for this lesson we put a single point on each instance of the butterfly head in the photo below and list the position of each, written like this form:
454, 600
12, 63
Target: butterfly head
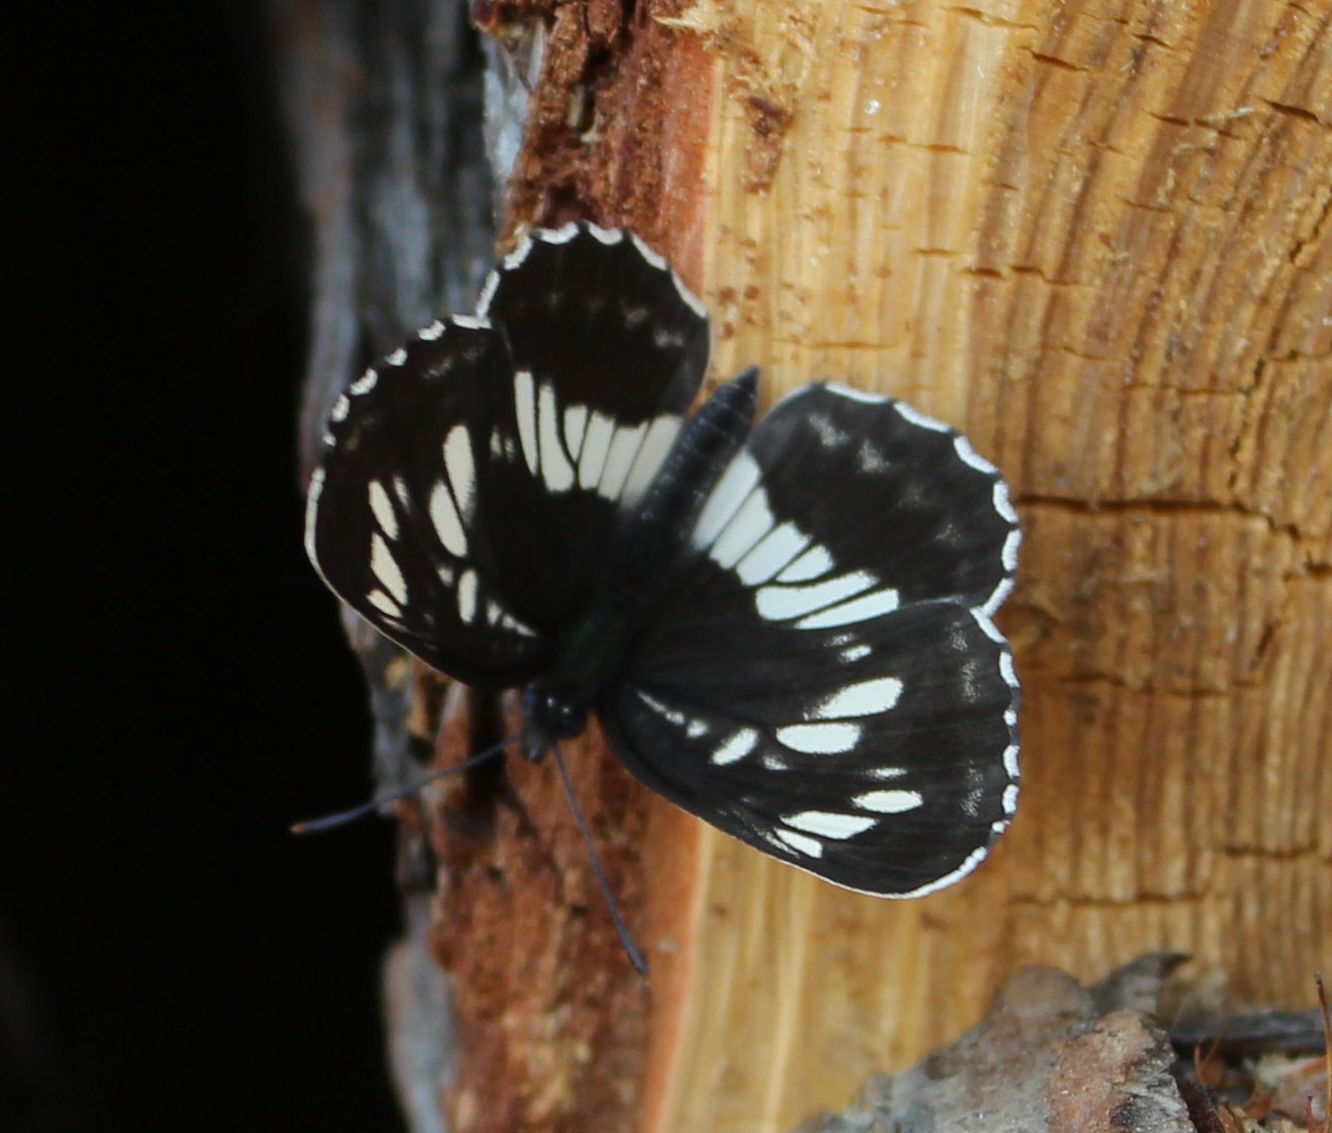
551, 714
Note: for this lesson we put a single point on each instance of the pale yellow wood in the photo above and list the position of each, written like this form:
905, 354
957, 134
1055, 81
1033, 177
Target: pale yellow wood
1096, 236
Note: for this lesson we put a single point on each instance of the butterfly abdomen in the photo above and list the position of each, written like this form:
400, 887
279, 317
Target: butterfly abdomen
651, 539
640, 565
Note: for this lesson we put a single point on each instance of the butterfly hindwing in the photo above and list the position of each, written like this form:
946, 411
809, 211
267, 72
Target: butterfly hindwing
826, 683
472, 480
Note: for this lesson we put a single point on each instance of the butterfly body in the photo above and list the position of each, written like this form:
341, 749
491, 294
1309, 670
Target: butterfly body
784, 629
640, 565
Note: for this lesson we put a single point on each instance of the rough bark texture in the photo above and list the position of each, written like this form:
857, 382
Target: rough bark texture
1050, 1057
1095, 236
1054, 1057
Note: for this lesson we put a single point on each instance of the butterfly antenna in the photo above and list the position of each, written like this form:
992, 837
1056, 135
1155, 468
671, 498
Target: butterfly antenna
343, 817
635, 956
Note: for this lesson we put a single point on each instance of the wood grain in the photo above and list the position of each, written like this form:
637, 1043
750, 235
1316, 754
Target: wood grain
1095, 236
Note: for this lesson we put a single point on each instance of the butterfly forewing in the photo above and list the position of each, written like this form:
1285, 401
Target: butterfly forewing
472, 480
391, 520
827, 680
608, 352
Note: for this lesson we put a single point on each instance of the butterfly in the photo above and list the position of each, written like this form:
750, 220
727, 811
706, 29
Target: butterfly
785, 629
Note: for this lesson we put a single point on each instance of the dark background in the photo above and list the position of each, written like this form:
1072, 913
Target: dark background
170, 957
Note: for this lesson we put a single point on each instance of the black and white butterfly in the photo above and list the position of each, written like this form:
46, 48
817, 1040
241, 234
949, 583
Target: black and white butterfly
785, 631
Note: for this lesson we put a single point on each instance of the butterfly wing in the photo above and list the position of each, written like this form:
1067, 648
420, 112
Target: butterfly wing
471, 481
826, 683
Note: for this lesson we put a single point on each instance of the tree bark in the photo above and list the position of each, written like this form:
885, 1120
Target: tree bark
1095, 237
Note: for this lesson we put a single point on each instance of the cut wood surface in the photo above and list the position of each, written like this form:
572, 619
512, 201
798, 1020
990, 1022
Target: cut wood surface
1094, 235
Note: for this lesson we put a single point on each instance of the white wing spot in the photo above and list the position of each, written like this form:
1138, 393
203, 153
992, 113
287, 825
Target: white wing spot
575, 422
971, 457
975, 796
397, 358
1001, 502
861, 609
492, 280
871, 459
384, 604
1006, 669
502, 446
461, 468
1011, 760
802, 844
820, 739
508, 621
382, 507
524, 405
468, 322
556, 470
889, 802
811, 564
432, 332
1010, 717
661, 435
827, 824
662, 709
442, 367
1009, 555
467, 588
311, 511
385, 568
987, 627
915, 417
515, 258
737, 747
600, 430
830, 436
1010, 799
771, 553
855, 652
657, 260
856, 394
608, 236
734, 486
997, 596
365, 383
778, 603
972, 860
620, 458
341, 408
867, 698
751, 523
448, 524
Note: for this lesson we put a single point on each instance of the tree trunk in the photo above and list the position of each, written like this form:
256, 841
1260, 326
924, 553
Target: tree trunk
1096, 238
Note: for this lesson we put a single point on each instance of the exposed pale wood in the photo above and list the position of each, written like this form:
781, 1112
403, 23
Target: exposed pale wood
1096, 237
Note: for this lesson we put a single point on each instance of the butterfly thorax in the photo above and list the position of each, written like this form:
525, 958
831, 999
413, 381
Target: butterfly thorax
556, 705
639, 568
